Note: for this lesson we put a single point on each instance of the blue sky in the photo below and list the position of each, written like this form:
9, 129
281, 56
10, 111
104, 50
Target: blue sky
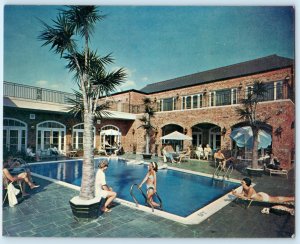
152, 43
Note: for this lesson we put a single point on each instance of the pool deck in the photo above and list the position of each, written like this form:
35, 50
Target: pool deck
46, 213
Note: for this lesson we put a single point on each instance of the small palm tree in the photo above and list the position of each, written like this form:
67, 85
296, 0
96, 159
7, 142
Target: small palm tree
90, 75
146, 121
249, 113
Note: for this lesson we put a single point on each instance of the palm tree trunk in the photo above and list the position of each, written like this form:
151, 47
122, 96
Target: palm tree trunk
255, 148
147, 142
88, 177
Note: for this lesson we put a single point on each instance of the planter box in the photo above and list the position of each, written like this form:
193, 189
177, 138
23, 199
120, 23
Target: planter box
255, 172
147, 156
88, 209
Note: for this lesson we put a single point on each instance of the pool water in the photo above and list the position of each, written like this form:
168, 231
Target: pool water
181, 193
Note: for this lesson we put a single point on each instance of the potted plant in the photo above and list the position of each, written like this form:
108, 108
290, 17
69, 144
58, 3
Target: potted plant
248, 112
147, 125
93, 81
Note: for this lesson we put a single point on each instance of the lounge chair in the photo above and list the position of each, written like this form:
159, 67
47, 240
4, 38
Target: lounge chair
250, 201
277, 172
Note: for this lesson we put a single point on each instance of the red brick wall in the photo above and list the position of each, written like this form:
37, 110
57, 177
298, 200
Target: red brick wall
223, 116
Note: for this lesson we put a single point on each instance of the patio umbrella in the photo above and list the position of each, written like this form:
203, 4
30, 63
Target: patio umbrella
176, 136
243, 136
110, 132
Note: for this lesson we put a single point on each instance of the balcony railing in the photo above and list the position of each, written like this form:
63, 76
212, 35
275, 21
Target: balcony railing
35, 93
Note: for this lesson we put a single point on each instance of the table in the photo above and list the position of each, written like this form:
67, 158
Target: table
72, 154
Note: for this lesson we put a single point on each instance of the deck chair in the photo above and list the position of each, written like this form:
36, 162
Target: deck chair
277, 172
248, 202
186, 156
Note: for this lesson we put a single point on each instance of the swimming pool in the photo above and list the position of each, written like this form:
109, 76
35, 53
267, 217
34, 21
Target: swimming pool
183, 193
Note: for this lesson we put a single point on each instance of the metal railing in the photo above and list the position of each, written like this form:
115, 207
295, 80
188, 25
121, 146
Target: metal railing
35, 93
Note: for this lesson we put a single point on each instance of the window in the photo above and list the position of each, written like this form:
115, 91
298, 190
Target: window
188, 102
223, 97
77, 136
200, 100
269, 94
279, 90
195, 101
249, 91
51, 134
14, 134
212, 98
167, 104
274, 91
234, 96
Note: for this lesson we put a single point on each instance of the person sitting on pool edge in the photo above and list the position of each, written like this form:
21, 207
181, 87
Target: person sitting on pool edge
248, 192
101, 187
150, 180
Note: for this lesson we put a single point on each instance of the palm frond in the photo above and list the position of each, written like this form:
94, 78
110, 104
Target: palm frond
59, 36
83, 19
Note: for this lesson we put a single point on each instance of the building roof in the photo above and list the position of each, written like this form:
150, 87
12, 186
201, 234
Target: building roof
264, 64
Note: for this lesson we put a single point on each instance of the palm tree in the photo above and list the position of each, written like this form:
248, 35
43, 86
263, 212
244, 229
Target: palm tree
90, 75
146, 121
249, 113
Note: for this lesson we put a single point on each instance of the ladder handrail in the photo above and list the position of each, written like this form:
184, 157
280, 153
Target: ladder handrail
217, 171
144, 195
230, 167
134, 198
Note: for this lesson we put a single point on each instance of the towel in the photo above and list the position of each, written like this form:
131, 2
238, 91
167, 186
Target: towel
12, 192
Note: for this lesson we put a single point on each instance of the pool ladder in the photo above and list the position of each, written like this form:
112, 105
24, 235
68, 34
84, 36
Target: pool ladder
144, 195
227, 173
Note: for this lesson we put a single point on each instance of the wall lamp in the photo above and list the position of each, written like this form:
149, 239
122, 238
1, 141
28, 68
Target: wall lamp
224, 131
32, 127
133, 131
278, 131
185, 131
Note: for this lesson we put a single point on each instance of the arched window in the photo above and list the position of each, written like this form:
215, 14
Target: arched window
14, 134
51, 134
77, 136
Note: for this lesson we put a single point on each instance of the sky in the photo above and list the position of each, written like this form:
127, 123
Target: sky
152, 43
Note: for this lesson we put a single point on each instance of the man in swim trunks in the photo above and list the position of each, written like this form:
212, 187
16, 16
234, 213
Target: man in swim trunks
248, 192
102, 189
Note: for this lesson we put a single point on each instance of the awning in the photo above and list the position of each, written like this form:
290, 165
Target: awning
110, 132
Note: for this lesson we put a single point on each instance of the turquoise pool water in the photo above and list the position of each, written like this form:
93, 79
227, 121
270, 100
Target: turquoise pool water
181, 193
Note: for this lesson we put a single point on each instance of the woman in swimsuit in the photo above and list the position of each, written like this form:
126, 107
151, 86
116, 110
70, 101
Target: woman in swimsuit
248, 192
150, 180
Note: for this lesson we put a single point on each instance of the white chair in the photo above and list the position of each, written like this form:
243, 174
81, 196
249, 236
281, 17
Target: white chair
199, 152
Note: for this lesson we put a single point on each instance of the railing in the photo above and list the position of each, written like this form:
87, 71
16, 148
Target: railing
35, 93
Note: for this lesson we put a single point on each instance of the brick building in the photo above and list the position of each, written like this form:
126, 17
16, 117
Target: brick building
201, 105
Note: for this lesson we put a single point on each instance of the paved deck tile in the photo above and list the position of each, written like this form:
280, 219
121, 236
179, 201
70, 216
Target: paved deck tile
46, 213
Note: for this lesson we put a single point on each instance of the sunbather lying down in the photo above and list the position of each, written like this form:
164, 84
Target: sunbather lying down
249, 193
279, 209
